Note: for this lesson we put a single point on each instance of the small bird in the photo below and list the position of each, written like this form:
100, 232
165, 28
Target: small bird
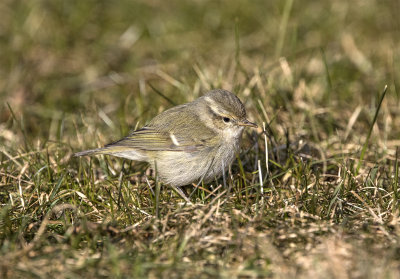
189, 143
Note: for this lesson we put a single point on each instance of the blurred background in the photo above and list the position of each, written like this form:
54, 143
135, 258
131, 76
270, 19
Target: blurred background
112, 62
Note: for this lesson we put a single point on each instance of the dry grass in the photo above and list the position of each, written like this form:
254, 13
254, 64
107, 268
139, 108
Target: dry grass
79, 74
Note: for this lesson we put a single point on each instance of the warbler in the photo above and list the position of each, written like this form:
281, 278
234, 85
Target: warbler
188, 143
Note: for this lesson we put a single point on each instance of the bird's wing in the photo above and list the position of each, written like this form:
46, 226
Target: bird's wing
177, 129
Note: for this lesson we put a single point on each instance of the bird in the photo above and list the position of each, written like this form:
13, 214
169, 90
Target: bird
190, 143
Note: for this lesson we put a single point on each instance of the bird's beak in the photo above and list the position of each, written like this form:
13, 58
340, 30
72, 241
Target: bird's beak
247, 123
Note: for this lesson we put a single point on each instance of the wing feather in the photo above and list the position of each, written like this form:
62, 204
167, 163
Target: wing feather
172, 130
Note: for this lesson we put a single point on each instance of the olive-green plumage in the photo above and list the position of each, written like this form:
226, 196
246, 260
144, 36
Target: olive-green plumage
187, 143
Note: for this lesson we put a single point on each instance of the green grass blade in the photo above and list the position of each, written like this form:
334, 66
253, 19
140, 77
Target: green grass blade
364, 149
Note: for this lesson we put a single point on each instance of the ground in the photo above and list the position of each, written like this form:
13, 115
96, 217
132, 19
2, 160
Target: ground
313, 194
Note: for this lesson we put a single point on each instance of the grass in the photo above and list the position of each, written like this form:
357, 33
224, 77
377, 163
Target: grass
315, 195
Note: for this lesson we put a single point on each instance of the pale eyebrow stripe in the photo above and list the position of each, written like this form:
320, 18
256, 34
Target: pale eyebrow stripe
213, 106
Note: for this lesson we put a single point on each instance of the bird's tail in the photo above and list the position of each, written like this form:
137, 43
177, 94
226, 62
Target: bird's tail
90, 152
118, 151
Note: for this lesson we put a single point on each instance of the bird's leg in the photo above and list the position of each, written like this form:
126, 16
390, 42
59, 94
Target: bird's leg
182, 194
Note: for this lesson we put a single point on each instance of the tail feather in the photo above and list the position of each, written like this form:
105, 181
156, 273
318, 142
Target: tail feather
118, 151
91, 152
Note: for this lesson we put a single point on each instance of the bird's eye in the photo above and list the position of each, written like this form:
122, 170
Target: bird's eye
226, 119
